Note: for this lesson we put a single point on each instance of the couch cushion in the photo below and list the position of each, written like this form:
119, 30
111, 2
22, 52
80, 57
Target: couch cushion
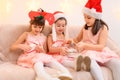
10, 71
9, 33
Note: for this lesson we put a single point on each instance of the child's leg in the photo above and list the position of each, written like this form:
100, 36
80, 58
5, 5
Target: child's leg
40, 71
96, 70
114, 65
79, 63
75, 64
61, 68
69, 63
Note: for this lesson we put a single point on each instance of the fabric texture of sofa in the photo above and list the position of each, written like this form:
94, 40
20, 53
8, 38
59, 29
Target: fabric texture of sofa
10, 71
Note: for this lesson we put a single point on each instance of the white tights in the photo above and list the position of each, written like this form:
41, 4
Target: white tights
42, 75
96, 70
56, 65
68, 63
114, 65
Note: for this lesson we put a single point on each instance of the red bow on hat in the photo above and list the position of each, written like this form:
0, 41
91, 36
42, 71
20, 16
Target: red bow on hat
48, 16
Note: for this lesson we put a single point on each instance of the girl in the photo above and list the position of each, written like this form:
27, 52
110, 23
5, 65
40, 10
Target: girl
33, 43
58, 48
92, 39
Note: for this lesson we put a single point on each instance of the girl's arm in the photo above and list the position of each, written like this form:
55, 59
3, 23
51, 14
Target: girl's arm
45, 46
79, 37
54, 50
101, 41
50, 48
18, 43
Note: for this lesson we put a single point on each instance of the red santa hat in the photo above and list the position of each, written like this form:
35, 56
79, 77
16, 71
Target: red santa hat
93, 8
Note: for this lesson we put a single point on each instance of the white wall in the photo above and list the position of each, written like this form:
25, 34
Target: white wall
15, 12
111, 14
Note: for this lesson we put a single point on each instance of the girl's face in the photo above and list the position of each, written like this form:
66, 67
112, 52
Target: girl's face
60, 26
89, 20
36, 29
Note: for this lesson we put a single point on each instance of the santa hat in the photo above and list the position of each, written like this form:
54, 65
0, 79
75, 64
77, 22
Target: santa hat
93, 8
57, 15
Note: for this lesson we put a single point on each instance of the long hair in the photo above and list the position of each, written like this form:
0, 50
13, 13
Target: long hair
97, 25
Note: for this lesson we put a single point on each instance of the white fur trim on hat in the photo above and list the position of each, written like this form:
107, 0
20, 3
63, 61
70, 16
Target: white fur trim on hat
58, 15
92, 12
54, 33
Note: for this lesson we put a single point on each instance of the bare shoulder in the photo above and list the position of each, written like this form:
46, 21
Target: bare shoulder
50, 36
23, 36
105, 28
25, 33
82, 27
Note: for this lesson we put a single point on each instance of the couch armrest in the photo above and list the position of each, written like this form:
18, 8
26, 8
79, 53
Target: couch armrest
113, 46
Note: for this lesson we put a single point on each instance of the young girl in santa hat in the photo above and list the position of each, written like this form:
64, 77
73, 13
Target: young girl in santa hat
91, 41
33, 44
61, 49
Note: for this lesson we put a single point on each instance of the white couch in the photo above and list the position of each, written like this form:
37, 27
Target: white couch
10, 71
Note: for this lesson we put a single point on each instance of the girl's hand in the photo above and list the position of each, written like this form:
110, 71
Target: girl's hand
63, 50
39, 49
25, 47
80, 46
69, 43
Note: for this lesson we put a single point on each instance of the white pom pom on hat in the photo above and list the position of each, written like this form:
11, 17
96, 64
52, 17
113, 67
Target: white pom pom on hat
93, 8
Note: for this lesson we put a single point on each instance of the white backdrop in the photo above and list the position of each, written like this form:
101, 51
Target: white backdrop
15, 12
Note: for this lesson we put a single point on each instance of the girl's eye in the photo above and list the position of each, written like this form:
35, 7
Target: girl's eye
63, 25
35, 26
40, 27
89, 18
58, 26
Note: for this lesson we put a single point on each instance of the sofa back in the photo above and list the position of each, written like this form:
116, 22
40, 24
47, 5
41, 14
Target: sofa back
9, 34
